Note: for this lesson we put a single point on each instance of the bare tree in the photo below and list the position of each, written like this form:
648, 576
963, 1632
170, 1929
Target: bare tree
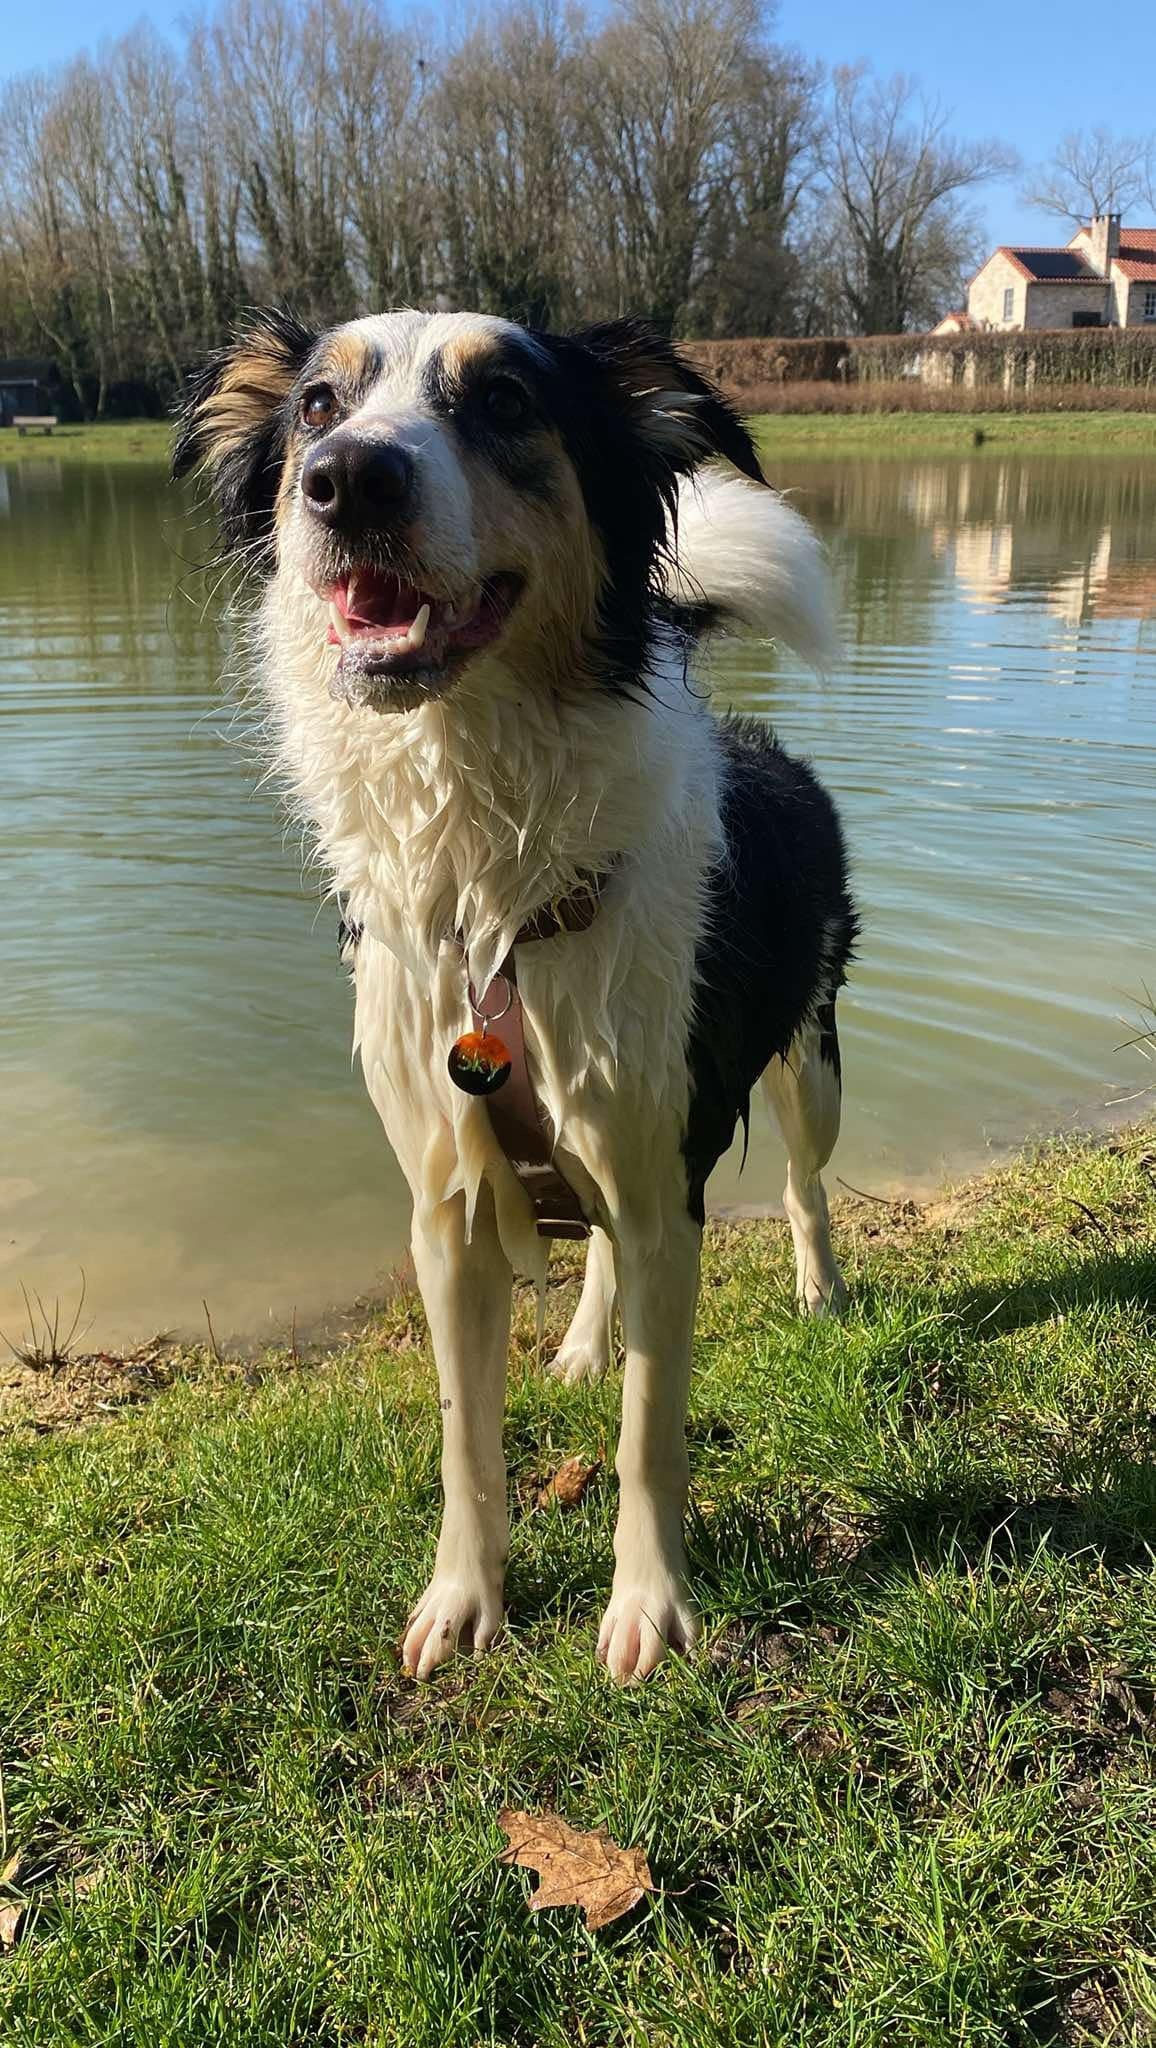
663, 158
150, 170
662, 81
274, 85
505, 144
898, 216
1093, 172
750, 275
38, 233
380, 97
215, 182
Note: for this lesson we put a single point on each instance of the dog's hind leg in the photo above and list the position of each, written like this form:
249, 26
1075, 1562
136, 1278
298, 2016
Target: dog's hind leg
587, 1347
466, 1289
805, 1092
650, 1610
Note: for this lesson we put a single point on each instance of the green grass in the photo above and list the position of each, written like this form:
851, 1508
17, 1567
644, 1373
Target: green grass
102, 441
904, 433
953, 433
904, 1796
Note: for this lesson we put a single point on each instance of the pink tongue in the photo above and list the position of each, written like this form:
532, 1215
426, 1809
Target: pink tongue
378, 601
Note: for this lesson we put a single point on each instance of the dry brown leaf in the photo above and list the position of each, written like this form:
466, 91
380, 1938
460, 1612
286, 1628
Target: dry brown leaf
10, 1918
12, 1868
568, 1485
574, 1869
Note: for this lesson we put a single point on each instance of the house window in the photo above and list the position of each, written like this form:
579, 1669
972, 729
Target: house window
1009, 303
1086, 320
1150, 305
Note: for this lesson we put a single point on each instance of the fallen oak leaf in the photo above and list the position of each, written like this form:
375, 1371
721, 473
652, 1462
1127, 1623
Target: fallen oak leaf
575, 1869
568, 1485
10, 1918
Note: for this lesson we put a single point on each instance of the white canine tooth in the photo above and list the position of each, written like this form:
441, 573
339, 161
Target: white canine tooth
417, 631
337, 621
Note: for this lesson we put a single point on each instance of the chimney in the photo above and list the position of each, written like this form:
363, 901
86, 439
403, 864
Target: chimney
1104, 241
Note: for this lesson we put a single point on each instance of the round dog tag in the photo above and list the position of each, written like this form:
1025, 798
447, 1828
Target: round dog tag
479, 1063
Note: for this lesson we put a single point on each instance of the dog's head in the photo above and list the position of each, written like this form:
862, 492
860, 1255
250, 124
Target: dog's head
448, 485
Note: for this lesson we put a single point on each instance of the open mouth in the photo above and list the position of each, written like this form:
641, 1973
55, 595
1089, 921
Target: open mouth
386, 627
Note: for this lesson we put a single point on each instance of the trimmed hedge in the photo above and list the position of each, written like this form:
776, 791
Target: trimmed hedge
1094, 358
912, 396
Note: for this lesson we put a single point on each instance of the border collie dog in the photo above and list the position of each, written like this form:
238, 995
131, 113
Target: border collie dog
488, 557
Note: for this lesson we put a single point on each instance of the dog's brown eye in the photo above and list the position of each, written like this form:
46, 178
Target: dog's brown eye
506, 402
319, 407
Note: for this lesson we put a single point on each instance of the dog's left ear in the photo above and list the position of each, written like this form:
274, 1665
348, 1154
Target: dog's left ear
232, 426
683, 415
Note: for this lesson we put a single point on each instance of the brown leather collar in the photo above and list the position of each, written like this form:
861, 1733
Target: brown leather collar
573, 913
516, 1115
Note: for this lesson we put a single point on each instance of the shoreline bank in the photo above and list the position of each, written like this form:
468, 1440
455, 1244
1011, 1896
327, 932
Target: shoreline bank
42, 1392
327, 1326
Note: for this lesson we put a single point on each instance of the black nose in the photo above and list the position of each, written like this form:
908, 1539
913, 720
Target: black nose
357, 483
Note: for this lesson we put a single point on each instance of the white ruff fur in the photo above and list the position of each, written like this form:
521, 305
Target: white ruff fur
465, 816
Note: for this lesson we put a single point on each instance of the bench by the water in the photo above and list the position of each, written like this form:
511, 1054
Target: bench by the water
34, 423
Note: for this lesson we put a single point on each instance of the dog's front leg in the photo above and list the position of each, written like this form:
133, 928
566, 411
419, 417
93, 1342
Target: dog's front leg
650, 1611
466, 1291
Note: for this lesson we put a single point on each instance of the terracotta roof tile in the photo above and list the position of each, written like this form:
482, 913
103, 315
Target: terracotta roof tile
1137, 254
1047, 264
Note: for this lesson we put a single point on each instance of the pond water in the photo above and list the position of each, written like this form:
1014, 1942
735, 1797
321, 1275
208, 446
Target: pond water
179, 1118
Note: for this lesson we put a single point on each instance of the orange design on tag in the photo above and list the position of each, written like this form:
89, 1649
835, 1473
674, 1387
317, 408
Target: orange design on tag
479, 1063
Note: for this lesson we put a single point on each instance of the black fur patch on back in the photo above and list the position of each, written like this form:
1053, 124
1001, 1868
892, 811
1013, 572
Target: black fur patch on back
780, 932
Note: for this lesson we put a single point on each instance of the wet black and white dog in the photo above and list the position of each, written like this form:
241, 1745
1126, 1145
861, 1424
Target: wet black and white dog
489, 555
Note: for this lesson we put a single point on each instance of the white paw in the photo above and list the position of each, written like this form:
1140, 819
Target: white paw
642, 1625
824, 1295
580, 1359
454, 1612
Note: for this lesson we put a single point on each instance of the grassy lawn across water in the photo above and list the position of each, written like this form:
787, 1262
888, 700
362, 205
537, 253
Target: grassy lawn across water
947, 433
904, 1795
100, 441
793, 434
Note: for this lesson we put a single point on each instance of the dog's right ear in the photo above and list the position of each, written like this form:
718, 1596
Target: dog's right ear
231, 428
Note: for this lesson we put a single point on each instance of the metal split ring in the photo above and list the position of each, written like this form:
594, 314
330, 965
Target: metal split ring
497, 1015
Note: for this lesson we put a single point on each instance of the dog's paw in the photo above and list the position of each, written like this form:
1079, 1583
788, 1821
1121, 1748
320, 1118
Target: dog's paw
642, 1625
823, 1296
579, 1360
453, 1613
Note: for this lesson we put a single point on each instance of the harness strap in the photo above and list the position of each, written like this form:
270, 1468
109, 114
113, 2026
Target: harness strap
516, 1115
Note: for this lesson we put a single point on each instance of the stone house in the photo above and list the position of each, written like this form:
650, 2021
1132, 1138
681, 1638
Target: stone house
1105, 277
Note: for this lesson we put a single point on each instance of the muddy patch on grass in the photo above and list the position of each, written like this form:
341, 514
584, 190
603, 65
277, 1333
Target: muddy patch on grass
1099, 1711
42, 1396
1099, 2012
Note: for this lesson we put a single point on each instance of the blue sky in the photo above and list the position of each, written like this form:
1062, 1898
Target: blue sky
1016, 69
1019, 70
